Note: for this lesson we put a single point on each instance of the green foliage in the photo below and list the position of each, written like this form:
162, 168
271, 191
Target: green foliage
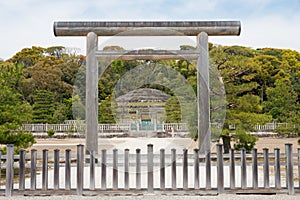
60, 113
282, 101
28, 56
105, 112
75, 108
244, 140
173, 110
238, 69
13, 113
288, 129
260, 85
43, 107
21, 140
50, 132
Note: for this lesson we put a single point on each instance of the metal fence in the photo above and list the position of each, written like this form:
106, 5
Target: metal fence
77, 173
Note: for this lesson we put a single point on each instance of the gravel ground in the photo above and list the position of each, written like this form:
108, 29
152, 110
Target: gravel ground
133, 143
156, 197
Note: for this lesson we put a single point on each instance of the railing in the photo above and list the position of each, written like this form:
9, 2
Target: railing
177, 127
102, 128
269, 126
137, 172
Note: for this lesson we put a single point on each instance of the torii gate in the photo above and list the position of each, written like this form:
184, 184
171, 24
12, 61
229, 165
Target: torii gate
201, 29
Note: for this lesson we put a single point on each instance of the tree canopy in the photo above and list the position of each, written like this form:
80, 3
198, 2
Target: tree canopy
47, 85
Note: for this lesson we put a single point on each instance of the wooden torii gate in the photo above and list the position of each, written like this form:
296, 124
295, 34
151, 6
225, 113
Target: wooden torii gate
200, 29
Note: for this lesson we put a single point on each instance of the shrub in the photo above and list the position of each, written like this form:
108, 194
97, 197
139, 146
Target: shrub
244, 140
20, 140
50, 132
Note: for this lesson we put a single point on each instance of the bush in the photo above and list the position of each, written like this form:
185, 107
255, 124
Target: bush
20, 140
288, 129
244, 140
50, 132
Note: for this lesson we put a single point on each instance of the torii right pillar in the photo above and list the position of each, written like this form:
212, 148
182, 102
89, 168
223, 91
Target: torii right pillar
203, 94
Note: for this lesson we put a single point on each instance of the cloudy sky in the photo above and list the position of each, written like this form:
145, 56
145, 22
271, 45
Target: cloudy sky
265, 23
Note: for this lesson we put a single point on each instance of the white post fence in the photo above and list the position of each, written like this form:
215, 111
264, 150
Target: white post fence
104, 130
150, 172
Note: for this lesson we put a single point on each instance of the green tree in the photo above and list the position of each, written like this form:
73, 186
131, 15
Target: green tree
238, 70
13, 113
105, 112
282, 101
43, 107
28, 56
75, 108
173, 110
45, 75
244, 140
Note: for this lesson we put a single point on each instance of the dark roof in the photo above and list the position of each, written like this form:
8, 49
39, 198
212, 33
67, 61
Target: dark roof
144, 95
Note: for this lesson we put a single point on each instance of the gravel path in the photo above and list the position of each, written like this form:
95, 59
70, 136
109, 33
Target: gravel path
133, 143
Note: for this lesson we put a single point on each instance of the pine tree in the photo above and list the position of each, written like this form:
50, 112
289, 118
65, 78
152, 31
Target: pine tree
43, 107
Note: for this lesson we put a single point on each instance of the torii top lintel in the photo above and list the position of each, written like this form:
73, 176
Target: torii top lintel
147, 28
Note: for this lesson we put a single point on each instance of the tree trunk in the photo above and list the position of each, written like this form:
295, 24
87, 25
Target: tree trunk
226, 143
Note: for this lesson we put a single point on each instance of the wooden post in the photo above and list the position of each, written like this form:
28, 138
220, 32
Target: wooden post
68, 170
220, 169
290, 172
162, 169
138, 169
173, 161
254, 169
203, 94
45, 170
126, 169
91, 102
115, 169
56, 169
103, 170
33, 169
196, 169
185, 169
208, 169
9, 170
22, 169
277, 168
266, 168
243, 169
298, 167
80, 169
150, 167
232, 168
1, 166
92, 170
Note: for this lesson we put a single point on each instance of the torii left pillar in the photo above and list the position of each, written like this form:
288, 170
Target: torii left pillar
91, 100
203, 94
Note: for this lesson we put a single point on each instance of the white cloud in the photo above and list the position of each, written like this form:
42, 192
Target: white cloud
268, 31
29, 22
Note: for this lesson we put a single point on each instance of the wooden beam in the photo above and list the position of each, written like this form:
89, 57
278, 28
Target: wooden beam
148, 55
146, 28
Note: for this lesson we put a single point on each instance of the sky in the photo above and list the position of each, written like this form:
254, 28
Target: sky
265, 23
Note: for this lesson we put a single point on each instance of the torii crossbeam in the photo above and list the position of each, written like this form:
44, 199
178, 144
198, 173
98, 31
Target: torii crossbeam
201, 29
